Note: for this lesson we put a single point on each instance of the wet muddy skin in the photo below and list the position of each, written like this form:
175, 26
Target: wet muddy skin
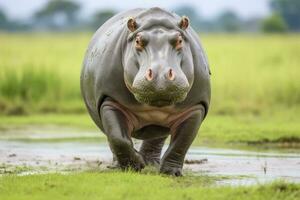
240, 167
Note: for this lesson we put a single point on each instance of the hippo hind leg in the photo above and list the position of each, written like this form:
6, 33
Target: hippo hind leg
153, 137
151, 150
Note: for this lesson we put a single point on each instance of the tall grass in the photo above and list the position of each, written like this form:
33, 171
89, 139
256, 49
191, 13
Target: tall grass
31, 85
254, 73
40, 73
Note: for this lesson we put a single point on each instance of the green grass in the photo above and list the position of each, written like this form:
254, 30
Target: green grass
250, 74
40, 73
282, 125
116, 185
82, 121
254, 73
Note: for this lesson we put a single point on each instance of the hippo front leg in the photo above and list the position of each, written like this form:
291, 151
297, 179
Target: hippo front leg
182, 138
117, 132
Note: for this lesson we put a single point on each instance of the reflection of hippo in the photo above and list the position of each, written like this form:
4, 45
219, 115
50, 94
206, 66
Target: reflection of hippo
145, 76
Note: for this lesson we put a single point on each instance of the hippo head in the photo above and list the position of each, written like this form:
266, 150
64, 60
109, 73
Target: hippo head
158, 62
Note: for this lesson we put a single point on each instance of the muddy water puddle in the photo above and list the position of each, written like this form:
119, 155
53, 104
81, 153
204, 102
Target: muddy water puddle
237, 166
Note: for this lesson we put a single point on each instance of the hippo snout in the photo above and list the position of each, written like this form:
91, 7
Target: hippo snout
160, 89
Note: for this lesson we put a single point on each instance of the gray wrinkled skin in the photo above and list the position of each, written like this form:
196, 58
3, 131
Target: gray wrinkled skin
147, 93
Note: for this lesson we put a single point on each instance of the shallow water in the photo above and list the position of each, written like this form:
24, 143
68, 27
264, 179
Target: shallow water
236, 166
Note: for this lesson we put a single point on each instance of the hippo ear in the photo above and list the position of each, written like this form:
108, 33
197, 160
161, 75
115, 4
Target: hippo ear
184, 23
131, 24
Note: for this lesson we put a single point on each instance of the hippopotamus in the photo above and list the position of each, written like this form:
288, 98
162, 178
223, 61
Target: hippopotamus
145, 76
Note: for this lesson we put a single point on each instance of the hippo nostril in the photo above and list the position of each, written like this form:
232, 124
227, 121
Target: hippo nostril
171, 75
149, 74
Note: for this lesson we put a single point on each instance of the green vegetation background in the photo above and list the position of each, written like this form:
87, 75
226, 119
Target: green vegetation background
250, 74
255, 84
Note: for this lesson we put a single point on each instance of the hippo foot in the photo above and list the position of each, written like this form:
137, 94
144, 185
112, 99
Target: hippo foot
172, 171
151, 161
134, 162
114, 165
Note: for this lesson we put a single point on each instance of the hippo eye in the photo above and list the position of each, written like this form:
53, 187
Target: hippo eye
139, 44
178, 43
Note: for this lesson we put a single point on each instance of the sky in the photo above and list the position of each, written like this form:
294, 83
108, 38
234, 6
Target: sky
24, 9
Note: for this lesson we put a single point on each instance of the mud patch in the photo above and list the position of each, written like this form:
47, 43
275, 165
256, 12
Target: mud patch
250, 167
65, 150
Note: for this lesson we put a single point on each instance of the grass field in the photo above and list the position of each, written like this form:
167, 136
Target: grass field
134, 186
250, 74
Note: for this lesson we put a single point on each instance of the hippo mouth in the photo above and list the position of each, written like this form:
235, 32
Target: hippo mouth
160, 103
160, 100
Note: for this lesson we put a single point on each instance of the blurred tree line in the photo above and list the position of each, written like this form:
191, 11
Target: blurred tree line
63, 15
